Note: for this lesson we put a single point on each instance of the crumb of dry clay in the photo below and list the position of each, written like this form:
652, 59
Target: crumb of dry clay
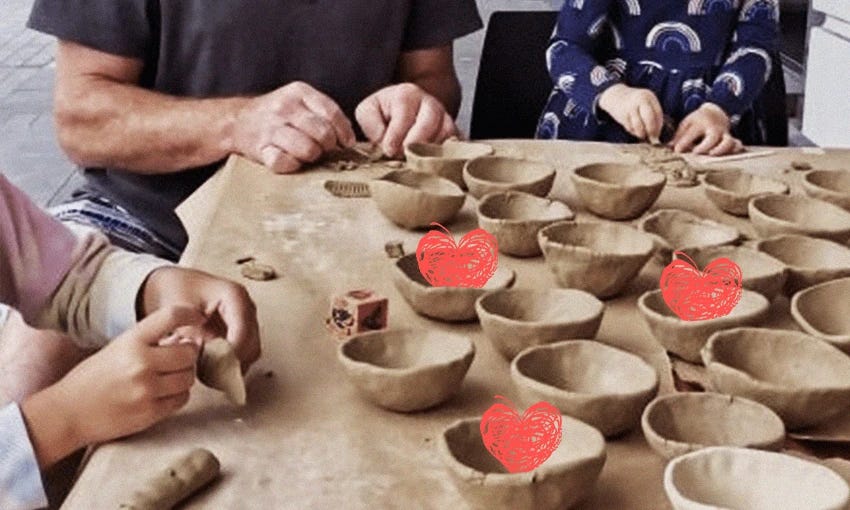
800, 165
245, 259
260, 272
394, 249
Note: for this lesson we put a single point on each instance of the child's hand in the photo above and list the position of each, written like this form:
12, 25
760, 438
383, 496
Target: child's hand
708, 129
128, 386
637, 110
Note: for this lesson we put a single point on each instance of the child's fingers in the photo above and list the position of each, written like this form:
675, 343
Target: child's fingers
709, 141
687, 140
173, 358
651, 118
637, 127
175, 383
163, 322
726, 146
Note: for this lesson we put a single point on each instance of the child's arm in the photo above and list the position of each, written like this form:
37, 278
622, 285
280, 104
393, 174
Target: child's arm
748, 67
575, 71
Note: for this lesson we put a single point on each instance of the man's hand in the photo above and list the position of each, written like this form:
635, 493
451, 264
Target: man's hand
637, 110
126, 387
229, 309
291, 126
402, 114
706, 131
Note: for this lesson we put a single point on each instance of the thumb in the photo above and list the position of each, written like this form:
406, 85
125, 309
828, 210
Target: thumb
163, 322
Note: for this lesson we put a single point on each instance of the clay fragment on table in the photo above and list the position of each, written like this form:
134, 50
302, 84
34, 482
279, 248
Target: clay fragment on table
182, 478
219, 368
256, 271
394, 249
801, 165
348, 189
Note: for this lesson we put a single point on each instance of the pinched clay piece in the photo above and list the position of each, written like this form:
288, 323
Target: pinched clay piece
566, 478
514, 218
762, 273
255, 271
451, 304
731, 477
680, 423
687, 338
601, 258
446, 160
780, 214
732, 189
348, 189
600, 385
824, 311
809, 261
803, 379
493, 174
178, 481
674, 229
616, 191
406, 370
219, 368
515, 319
416, 199
830, 185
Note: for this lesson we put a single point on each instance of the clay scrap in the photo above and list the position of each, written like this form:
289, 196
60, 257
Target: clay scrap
663, 159
182, 478
254, 270
348, 189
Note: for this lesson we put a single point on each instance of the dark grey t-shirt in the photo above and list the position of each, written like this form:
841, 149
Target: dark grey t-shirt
215, 48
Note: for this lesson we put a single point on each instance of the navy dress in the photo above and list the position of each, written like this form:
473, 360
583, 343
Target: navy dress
686, 51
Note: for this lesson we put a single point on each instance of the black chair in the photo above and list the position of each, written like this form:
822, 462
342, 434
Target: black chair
513, 83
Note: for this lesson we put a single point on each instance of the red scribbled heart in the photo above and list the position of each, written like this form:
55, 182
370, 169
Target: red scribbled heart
696, 295
443, 263
521, 443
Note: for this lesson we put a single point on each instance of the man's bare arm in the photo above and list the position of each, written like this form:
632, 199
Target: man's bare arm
434, 71
104, 118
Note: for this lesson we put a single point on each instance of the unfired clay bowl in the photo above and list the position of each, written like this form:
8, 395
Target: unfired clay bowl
679, 423
830, 185
674, 229
445, 160
406, 370
732, 189
515, 319
808, 261
601, 258
600, 385
803, 379
416, 199
824, 311
726, 477
687, 338
492, 174
762, 273
514, 218
616, 191
451, 304
780, 214
566, 478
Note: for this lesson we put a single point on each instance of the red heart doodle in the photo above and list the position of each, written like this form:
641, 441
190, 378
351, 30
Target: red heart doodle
521, 443
443, 263
696, 295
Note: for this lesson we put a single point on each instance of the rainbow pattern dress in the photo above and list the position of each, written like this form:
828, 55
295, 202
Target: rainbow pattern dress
686, 51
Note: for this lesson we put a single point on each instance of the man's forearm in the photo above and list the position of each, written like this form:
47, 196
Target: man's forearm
112, 124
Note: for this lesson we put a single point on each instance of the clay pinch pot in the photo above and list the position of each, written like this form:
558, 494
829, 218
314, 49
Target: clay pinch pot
730, 477
515, 319
566, 478
600, 385
445, 160
514, 218
674, 229
803, 379
680, 423
451, 304
762, 273
616, 191
732, 189
687, 338
413, 199
601, 258
830, 185
824, 311
809, 261
780, 214
492, 174
406, 370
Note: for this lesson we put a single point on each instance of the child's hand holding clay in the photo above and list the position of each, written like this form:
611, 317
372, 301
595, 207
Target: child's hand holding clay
637, 110
706, 131
128, 386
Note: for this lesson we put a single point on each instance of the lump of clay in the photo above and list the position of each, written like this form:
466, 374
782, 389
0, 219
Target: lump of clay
178, 481
256, 271
219, 368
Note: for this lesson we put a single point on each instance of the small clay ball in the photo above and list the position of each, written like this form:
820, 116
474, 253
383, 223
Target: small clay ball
259, 272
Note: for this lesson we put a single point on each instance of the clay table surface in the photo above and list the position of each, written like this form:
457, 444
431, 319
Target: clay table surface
306, 439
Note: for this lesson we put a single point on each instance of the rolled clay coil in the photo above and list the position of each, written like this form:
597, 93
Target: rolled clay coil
178, 481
